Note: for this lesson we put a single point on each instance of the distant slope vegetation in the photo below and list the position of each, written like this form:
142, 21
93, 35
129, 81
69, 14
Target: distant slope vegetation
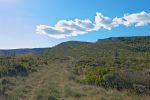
76, 48
22, 51
116, 68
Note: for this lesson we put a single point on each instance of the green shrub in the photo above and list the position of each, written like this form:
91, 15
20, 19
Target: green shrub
94, 76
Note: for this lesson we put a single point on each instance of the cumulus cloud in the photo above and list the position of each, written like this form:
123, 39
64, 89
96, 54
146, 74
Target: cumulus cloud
105, 22
64, 28
139, 19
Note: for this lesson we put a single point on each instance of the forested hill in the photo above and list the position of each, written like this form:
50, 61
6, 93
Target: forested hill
108, 45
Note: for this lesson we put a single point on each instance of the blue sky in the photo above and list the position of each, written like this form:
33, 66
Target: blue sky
19, 20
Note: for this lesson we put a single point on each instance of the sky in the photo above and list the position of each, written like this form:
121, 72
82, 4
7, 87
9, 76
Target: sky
45, 23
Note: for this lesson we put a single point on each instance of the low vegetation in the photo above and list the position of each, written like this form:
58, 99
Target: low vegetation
110, 69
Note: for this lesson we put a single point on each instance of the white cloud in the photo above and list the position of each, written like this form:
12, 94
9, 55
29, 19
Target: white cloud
102, 21
64, 28
139, 19
105, 22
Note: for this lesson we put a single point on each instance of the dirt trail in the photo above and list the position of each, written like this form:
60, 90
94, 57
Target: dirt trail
52, 78
53, 73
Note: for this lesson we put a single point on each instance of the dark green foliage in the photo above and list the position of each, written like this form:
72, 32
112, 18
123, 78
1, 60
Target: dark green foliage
95, 76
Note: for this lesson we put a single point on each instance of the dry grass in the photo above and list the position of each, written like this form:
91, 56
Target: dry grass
53, 83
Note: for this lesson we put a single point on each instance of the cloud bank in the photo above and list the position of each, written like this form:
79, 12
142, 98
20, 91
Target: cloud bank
64, 28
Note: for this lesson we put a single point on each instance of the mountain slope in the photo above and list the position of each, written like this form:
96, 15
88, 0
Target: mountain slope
108, 69
22, 51
76, 49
